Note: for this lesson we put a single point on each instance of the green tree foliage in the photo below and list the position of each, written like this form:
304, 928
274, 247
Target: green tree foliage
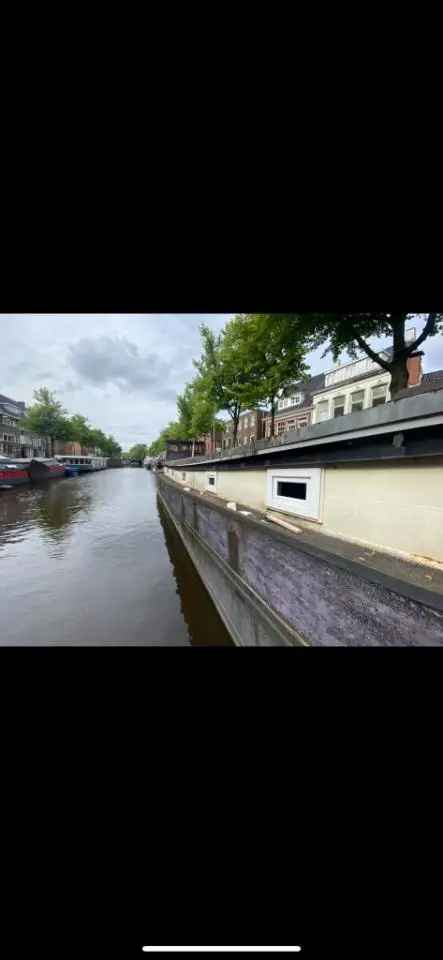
173, 431
351, 331
270, 358
196, 410
222, 373
137, 452
47, 418
81, 431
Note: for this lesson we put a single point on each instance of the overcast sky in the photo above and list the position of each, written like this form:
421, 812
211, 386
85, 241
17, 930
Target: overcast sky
122, 371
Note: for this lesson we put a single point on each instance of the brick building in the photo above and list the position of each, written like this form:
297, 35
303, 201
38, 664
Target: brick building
295, 406
250, 428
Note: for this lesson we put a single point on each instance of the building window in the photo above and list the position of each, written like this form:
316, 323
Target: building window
212, 482
295, 491
357, 400
339, 405
290, 425
302, 423
322, 411
280, 427
183, 476
379, 395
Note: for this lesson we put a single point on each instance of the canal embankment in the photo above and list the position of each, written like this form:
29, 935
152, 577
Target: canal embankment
337, 533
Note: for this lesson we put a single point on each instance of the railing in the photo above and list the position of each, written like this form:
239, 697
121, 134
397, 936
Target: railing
243, 450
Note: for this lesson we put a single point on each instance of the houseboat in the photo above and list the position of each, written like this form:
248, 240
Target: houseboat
45, 468
83, 464
13, 472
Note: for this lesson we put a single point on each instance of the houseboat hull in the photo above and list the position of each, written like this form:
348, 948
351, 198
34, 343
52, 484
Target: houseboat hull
45, 469
13, 473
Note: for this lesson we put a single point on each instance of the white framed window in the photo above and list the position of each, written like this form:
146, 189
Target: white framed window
339, 405
212, 482
357, 400
379, 394
280, 427
290, 424
322, 411
295, 491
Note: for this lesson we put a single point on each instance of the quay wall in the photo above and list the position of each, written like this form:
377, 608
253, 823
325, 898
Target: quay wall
273, 590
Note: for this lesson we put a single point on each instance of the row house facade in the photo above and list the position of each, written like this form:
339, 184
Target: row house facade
358, 386
14, 440
294, 407
251, 427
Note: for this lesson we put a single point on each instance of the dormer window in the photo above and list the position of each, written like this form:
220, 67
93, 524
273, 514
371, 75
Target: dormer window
294, 401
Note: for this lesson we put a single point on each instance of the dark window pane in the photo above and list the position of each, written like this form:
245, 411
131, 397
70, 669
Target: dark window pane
286, 488
211, 481
339, 411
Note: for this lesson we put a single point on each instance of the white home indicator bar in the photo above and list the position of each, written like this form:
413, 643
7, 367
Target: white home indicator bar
222, 949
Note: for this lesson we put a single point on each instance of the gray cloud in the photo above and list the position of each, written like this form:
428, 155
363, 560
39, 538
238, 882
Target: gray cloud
117, 361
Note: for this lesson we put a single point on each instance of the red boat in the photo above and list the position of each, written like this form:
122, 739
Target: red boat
13, 472
45, 468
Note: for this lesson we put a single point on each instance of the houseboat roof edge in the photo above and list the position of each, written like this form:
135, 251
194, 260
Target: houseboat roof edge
409, 413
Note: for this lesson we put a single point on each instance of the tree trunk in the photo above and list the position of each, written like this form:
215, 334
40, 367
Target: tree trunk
235, 423
399, 376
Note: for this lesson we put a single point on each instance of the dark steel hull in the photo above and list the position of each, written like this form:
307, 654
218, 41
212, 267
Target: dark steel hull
45, 470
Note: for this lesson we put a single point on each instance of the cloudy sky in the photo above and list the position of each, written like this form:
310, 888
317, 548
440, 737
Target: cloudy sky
123, 372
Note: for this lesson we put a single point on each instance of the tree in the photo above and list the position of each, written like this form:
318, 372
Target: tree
351, 331
185, 407
81, 431
197, 411
221, 372
270, 359
171, 432
137, 452
47, 417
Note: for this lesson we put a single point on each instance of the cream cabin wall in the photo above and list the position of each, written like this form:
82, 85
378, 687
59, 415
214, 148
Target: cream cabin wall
396, 507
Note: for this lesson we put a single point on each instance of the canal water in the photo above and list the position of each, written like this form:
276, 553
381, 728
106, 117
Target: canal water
96, 560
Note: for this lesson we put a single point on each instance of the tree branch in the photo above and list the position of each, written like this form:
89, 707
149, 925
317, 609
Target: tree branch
428, 330
372, 354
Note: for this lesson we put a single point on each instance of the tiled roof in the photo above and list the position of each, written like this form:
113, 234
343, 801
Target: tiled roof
17, 403
430, 382
307, 388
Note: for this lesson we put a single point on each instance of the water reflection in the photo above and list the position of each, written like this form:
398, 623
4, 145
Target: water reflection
51, 506
93, 560
61, 507
203, 622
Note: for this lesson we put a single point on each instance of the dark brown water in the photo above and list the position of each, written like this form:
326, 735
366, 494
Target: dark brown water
96, 560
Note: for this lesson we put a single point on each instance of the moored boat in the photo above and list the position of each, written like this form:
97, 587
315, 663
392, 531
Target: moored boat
45, 468
82, 464
13, 472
